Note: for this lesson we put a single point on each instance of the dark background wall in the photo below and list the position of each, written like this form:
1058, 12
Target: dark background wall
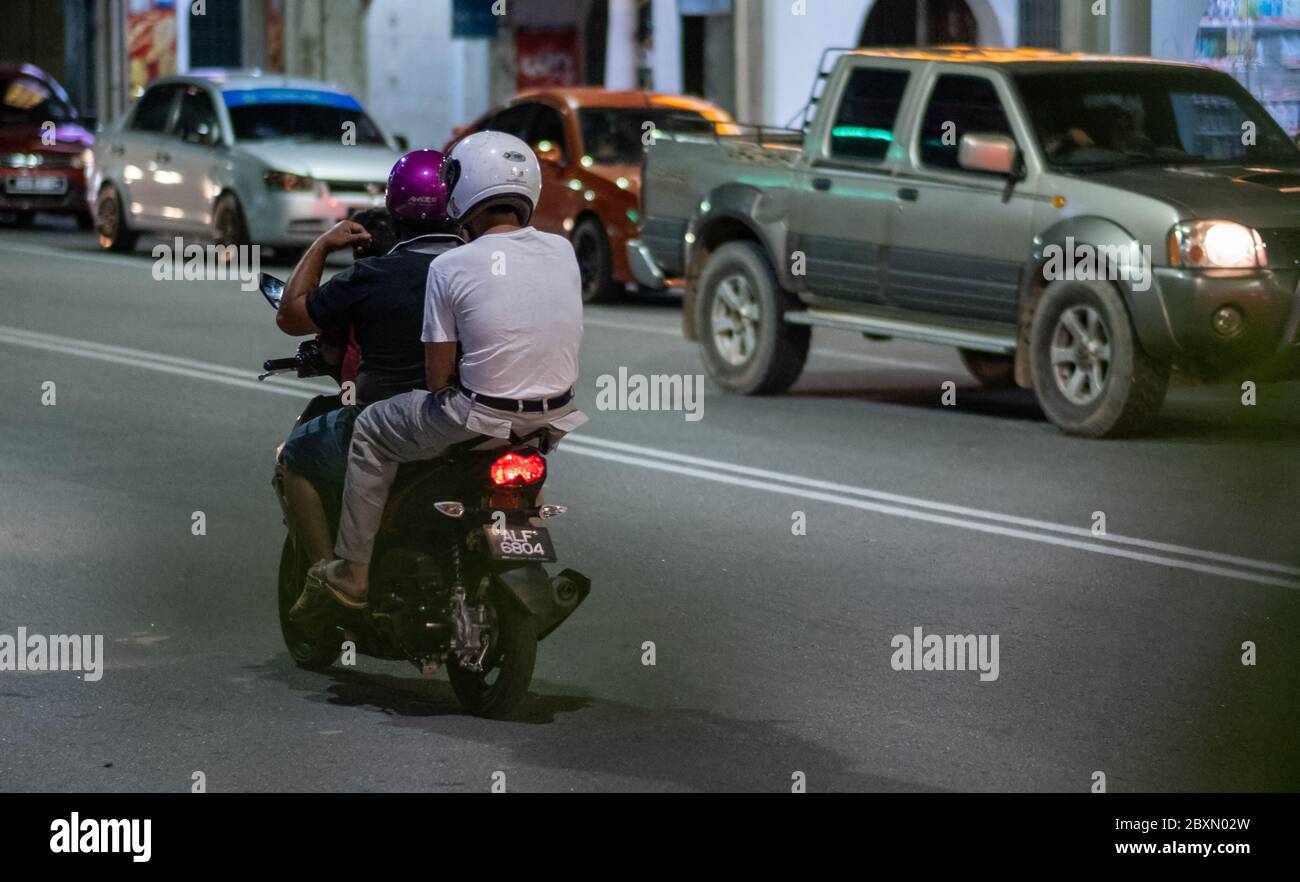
56, 36
216, 39
32, 31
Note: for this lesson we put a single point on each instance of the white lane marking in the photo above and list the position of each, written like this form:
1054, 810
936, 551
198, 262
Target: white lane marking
125, 352
985, 514
882, 360
914, 514
136, 360
186, 367
713, 470
143, 262
139, 260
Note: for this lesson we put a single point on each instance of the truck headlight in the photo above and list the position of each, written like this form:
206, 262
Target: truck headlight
288, 181
1216, 245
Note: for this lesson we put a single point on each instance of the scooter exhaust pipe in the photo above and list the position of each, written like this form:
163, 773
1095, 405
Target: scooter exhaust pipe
570, 588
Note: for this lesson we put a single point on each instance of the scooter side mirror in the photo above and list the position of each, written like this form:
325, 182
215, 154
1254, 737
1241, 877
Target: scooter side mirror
271, 287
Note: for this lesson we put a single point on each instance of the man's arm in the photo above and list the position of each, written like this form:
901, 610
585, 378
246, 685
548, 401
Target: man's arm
292, 316
439, 365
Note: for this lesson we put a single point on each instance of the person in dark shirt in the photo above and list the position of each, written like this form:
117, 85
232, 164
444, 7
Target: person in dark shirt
379, 300
383, 238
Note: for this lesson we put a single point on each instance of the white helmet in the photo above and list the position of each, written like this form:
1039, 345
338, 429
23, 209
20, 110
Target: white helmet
491, 167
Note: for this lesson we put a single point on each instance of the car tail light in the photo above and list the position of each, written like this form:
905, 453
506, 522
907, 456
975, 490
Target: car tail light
517, 470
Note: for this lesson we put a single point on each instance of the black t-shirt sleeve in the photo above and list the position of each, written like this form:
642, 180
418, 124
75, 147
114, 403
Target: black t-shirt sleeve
331, 305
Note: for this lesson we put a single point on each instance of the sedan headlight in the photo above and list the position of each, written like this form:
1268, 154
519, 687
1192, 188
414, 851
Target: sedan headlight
288, 181
1216, 245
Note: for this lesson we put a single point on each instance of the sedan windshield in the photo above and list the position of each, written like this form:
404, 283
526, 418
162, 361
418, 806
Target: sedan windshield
324, 122
25, 100
1088, 120
614, 135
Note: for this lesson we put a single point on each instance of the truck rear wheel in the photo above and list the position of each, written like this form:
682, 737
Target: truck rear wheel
496, 691
1090, 372
747, 345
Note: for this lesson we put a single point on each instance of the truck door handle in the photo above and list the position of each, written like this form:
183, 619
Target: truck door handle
909, 194
821, 183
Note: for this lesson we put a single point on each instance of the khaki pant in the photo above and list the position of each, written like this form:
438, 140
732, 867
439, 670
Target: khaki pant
419, 426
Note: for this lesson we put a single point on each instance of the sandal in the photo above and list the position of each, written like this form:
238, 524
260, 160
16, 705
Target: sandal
318, 593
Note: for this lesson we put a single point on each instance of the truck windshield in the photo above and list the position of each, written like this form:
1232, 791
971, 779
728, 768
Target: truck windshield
613, 135
1094, 120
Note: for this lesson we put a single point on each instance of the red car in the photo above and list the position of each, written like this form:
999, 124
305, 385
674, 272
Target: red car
45, 147
590, 143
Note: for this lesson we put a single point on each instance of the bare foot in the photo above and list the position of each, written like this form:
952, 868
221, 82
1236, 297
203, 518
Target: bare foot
348, 578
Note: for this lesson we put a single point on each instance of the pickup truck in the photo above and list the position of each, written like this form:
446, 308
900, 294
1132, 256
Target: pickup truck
1077, 225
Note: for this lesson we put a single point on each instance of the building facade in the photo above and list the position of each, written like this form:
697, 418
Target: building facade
423, 67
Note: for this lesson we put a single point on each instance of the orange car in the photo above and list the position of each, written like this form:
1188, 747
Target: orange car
590, 143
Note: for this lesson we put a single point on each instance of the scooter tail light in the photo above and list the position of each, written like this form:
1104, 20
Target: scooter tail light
517, 469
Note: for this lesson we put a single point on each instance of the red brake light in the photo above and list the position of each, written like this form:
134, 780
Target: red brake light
513, 469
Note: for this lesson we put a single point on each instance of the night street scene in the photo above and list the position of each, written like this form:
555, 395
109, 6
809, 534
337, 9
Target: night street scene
893, 398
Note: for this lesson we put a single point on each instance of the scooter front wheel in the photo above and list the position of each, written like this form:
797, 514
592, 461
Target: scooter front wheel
307, 652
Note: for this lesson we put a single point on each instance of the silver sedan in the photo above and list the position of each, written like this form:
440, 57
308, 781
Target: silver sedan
238, 158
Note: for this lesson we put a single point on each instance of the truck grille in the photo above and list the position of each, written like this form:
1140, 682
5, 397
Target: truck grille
1283, 244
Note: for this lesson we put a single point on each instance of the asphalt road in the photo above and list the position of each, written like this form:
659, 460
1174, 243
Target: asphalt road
1120, 654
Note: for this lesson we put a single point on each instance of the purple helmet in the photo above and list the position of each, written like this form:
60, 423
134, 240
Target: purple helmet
416, 191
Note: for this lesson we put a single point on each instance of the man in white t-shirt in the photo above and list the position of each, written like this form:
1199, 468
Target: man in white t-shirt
511, 300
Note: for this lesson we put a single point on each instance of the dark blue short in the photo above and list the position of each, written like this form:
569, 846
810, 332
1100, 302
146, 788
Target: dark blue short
318, 448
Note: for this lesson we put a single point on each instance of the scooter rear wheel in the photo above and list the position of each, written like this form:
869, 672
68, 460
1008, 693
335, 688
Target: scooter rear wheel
496, 692
309, 653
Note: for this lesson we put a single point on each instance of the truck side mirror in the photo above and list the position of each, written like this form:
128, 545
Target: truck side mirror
548, 153
988, 153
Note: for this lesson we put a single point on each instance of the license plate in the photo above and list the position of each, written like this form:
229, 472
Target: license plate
48, 184
520, 543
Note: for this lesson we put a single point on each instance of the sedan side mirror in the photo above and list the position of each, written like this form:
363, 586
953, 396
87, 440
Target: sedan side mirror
402, 142
996, 154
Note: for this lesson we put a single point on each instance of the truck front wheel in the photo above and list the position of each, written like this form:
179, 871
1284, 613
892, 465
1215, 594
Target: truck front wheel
747, 345
1091, 374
